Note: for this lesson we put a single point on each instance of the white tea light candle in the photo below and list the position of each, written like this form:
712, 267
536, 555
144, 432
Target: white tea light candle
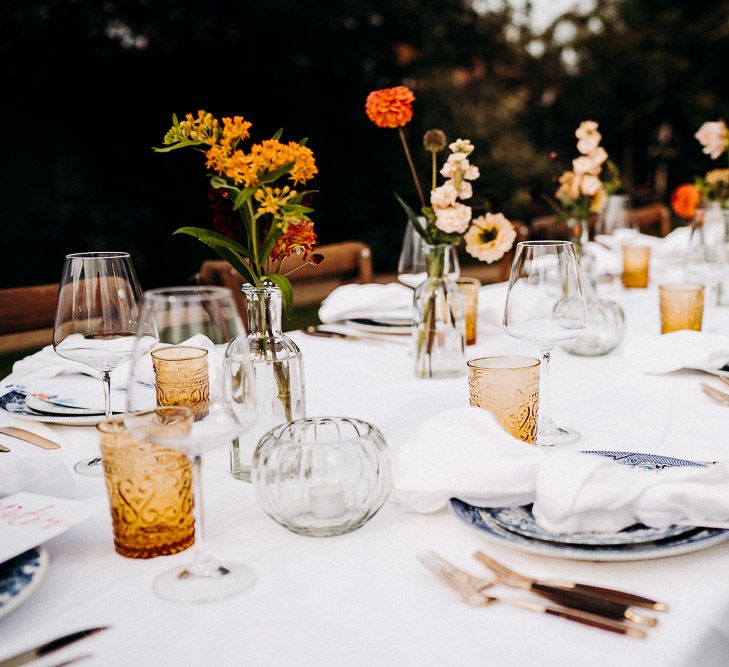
326, 501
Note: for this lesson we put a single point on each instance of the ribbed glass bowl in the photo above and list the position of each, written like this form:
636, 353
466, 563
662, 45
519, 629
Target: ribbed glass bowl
322, 476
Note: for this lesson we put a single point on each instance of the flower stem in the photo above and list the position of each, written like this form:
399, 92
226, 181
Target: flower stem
412, 167
435, 170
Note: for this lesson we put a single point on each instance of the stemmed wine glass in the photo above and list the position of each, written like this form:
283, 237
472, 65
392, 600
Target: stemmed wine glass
96, 317
545, 305
411, 266
193, 326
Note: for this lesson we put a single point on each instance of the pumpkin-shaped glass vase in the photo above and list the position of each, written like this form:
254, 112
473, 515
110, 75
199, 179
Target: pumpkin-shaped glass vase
605, 329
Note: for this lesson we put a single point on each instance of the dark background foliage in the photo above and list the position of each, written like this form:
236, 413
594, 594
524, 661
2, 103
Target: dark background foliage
89, 87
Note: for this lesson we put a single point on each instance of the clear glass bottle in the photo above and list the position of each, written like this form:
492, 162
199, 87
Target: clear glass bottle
438, 325
273, 379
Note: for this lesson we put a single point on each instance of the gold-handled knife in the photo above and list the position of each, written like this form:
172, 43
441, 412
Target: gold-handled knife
3, 448
27, 436
49, 647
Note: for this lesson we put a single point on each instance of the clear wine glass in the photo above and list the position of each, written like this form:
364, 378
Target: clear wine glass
96, 317
193, 326
411, 266
545, 306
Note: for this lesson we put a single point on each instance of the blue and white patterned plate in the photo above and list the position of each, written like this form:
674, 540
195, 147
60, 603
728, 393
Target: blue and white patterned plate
13, 402
690, 539
521, 520
20, 576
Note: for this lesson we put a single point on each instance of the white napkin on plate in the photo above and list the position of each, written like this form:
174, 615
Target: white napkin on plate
464, 453
676, 350
674, 244
391, 301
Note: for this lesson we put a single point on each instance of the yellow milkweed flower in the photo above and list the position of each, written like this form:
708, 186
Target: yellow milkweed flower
234, 130
204, 128
305, 167
272, 199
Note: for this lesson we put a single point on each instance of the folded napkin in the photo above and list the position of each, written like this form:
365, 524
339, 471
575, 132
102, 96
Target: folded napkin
464, 453
674, 244
607, 262
676, 350
391, 301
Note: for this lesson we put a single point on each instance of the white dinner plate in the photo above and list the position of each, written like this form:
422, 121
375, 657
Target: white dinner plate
597, 548
20, 577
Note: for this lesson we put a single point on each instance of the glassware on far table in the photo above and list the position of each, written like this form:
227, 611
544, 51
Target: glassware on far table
96, 317
615, 216
545, 306
681, 306
412, 267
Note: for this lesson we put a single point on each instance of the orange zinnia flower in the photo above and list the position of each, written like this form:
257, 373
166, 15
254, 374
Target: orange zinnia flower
684, 200
390, 107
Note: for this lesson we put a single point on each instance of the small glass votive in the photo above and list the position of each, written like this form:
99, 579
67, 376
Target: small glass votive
181, 378
322, 476
149, 487
682, 306
469, 288
508, 387
636, 259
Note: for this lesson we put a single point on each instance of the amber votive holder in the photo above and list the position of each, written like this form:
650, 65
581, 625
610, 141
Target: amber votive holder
636, 260
508, 387
181, 378
469, 288
149, 488
682, 306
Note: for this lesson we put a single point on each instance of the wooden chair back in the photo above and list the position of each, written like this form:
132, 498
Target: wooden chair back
27, 315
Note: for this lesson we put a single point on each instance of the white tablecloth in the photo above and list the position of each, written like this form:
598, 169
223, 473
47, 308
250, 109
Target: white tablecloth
362, 598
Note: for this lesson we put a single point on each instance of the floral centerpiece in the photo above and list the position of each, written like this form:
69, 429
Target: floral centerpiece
714, 186
584, 189
260, 218
260, 213
442, 221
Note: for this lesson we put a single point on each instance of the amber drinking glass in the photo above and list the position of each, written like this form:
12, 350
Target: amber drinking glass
469, 288
181, 378
508, 387
149, 487
635, 265
682, 307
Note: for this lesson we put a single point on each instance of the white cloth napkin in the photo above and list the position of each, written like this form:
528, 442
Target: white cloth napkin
394, 301
674, 244
676, 350
464, 453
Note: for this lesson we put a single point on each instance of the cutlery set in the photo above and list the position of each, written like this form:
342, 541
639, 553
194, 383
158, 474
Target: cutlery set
375, 339
716, 395
51, 647
602, 608
27, 436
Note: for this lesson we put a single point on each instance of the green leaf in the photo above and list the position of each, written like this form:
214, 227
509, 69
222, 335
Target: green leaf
175, 122
214, 239
219, 182
273, 235
303, 141
242, 198
412, 217
277, 134
287, 292
236, 262
174, 147
274, 175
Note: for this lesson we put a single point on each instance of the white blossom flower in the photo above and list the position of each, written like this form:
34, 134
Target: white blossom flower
471, 173
714, 137
569, 186
586, 128
599, 200
462, 146
585, 165
490, 237
454, 219
465, 191
589, 184
444, 196
589, 144
598, 156
454, 165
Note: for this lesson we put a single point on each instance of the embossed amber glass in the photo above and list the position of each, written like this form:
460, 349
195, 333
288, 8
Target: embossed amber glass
682, 307
508, 387
149, 487
469, 289
635, 265
181, 378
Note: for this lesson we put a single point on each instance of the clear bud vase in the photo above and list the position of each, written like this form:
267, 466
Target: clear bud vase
438, 325
270, 384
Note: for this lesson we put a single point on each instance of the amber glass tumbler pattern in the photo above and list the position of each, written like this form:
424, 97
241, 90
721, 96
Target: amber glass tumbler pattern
150, 492
635, 265
469, 288
508, 387
181, 378
682, 307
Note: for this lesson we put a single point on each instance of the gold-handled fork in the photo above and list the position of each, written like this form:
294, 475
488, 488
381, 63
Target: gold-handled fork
621, 598
716, 395
473, 594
